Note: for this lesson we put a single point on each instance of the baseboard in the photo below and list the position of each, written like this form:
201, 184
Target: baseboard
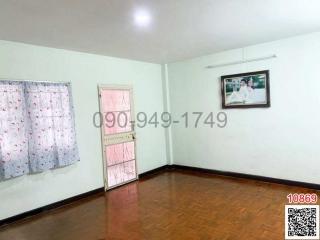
152, 173
155, 171
49, 207
67, 201
249, 176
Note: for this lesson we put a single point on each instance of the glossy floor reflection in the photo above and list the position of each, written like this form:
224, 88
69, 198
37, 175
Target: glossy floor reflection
171, 205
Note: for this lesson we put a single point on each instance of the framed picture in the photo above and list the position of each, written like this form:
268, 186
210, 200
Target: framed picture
246, 90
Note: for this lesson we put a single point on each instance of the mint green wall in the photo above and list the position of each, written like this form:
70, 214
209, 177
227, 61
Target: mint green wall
280, 141
85, 71
276, 142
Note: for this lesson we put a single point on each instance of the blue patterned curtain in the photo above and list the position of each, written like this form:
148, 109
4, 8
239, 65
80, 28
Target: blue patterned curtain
37, 129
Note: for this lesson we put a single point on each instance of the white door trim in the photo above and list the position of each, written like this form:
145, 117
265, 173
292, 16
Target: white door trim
129, 136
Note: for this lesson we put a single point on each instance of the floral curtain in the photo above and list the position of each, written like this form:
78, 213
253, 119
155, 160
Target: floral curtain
13, 139
37, 129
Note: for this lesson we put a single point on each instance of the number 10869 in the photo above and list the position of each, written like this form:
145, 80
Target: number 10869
302, 198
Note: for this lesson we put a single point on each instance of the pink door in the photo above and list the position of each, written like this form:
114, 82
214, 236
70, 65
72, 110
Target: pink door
118, 136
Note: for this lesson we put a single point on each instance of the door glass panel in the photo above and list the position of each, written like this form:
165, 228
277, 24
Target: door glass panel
122, 172
119, 144
116, 110
129, 170
115, 175
117, 122
119, 153
120, 163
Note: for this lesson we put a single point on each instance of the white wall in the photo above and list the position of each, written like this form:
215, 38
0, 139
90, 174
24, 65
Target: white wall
85, 71
280, 141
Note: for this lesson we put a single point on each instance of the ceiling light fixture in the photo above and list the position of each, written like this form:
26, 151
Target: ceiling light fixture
142, 18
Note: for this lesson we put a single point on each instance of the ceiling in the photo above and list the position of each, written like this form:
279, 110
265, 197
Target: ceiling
179, 29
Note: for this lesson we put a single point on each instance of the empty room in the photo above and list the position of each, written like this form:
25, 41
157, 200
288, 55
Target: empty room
159, 119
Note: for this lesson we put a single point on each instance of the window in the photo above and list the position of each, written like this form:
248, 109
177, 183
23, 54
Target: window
37, 129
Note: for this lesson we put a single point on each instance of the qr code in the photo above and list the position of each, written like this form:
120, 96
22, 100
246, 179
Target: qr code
302, 222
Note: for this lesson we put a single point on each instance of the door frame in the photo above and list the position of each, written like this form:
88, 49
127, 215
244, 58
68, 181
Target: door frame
102, 131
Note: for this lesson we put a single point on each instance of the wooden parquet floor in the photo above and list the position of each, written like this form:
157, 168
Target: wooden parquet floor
172, 205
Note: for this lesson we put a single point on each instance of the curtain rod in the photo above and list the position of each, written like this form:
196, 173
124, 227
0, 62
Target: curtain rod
242, 61
27, 80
